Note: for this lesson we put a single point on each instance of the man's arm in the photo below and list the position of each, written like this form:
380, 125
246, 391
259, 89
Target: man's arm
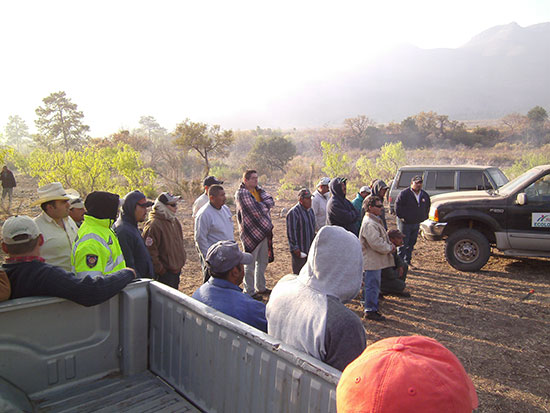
291, 231
5, 286
266, 198
152, 236
202, 225
127, 247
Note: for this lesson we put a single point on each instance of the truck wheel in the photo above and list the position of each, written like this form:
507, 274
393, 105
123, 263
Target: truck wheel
467, 250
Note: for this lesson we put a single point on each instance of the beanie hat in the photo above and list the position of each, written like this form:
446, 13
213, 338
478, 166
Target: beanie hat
413, 374
102, 205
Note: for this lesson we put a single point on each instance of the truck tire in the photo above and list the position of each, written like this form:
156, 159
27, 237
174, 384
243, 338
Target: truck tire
467, 250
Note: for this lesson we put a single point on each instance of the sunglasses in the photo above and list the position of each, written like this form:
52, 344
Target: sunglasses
378, 206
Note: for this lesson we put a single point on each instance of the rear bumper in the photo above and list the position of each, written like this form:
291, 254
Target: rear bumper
432, 230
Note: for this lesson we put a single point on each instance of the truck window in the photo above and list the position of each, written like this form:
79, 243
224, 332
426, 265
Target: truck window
405, 178
473, 180
539, 191
429, 181
445, 180
497, 176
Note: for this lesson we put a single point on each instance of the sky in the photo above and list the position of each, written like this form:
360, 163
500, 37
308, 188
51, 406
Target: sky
211, 60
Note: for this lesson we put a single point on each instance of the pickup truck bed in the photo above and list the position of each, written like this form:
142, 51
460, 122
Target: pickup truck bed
143, 392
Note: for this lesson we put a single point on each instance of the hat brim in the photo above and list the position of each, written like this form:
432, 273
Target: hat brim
246, 258
50, 198
147, 204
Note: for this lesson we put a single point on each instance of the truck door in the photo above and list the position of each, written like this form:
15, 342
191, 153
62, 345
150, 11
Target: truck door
529, 224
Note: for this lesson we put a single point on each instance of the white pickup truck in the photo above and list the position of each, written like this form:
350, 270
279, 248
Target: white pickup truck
150, 349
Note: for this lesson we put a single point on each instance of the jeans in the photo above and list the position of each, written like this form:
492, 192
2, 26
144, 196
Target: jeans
254, 274
410, 232
371, 289
297, 263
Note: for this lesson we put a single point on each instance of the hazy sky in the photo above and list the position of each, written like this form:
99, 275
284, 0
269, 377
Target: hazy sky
209, 60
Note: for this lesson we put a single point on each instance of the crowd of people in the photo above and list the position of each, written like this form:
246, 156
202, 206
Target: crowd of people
83, 251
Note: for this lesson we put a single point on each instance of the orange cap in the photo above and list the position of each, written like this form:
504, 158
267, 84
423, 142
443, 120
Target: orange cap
405, 375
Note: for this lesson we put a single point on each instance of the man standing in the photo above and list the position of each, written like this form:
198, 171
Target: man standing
377, 254
340, 211
97, 250
254, 218
203, 199
358, 205
307, 311
30, 276
225, 263
379, 189
8, 183
76, 209
136, 255
412, 206
213, 223
58, 230
319, 203
163, 237
300, 230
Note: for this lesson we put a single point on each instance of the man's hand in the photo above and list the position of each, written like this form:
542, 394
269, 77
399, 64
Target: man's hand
297, 253
133, 271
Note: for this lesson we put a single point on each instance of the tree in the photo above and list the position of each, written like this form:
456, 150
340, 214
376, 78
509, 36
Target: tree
16, 131
357, 130
273, 152
60, 123
392, 157
336, 162
151, 128
206, 140
537, 124
537, 115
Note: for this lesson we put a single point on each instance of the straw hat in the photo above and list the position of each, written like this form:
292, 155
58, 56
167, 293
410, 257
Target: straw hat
51, 192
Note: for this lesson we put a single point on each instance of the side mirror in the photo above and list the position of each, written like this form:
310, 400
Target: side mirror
521, 199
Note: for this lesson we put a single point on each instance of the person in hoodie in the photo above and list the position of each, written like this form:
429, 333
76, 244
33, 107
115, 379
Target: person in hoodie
96, 250
358, 205
136, 255
307, 311
319, 201
340, 211
379, 189
163, 237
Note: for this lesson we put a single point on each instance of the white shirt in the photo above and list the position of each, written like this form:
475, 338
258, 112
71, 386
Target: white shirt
213, 225
319, 206
199, 203
58, 242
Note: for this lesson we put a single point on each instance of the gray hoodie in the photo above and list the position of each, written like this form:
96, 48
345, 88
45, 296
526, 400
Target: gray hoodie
307, 311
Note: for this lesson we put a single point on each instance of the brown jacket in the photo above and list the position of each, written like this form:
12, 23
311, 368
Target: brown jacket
5, 287
164, 240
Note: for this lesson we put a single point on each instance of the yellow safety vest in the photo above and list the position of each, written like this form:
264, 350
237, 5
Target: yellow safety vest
96, 250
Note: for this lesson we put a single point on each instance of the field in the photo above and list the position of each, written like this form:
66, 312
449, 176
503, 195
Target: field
501, 339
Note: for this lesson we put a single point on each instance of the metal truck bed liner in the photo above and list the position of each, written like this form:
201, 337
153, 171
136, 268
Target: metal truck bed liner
143, 392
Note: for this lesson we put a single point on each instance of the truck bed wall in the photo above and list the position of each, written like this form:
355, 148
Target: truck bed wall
48, 345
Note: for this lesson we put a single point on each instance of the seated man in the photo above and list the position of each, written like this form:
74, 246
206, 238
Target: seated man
393, 278
30, 276
307, 311
406, 375
222, 292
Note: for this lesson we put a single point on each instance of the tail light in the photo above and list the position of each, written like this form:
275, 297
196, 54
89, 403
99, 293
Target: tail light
434, 214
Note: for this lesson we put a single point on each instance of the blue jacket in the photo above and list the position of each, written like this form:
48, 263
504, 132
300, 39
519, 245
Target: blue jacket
228, 298
340, 211
358, 205
410, 211
131, 242
36, 278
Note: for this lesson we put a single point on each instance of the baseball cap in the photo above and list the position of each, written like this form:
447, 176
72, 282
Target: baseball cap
304, 193
417, 178
365, 189
324, 181
17, 226
211, 180
224, 255
411, 374
167, 198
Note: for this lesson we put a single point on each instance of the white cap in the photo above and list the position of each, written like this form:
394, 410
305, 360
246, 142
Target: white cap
17, 226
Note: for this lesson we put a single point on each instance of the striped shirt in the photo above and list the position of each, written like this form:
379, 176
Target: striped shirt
300, 228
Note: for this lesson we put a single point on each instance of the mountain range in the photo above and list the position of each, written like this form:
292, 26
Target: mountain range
502, 70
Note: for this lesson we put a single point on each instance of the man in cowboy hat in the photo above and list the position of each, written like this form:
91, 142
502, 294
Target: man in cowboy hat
58, 230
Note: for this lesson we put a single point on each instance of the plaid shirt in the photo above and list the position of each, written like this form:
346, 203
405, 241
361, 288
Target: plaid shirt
253, 217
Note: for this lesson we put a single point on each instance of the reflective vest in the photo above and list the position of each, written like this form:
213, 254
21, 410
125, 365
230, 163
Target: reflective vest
96, 250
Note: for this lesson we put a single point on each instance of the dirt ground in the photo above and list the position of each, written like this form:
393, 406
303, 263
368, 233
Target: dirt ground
501, 339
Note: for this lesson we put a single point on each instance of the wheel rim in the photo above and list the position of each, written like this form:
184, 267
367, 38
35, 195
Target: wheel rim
466, 251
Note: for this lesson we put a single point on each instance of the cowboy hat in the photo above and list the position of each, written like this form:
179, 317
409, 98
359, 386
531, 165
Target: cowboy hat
51, 192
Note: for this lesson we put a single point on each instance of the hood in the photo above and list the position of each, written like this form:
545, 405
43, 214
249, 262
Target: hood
336, 188
161, 211
377, 186
102, 205
129, 206
334, 264
465, 196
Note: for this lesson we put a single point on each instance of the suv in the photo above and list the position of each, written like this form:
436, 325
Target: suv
447, 178
514, 218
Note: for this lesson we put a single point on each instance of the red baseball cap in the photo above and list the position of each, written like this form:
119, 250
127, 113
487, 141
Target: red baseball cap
413, 374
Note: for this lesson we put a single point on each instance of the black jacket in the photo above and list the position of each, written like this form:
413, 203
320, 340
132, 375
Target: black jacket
340, 211
407, 209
